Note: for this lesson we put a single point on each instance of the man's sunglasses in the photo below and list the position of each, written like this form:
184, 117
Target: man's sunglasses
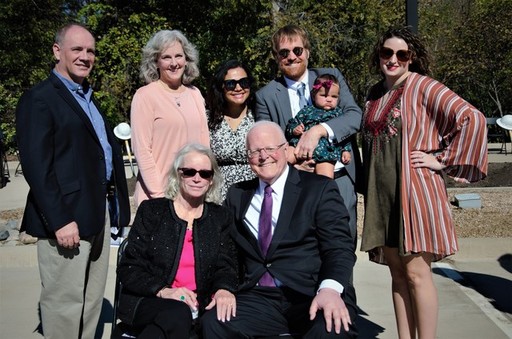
230, 85
402, 54
283, 53
191, 172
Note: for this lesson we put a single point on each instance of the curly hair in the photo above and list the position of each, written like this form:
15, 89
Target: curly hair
214, 192
158, 43
289, 32
215, 100
420, 58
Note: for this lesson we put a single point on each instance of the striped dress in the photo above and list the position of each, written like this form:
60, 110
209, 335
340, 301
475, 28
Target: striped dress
433, 119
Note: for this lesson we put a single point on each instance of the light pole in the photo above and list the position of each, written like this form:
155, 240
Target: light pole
411, 12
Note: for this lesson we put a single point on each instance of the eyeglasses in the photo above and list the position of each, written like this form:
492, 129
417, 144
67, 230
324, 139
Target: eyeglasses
230, 84
283, 53
402, 54
270, 150
191, 172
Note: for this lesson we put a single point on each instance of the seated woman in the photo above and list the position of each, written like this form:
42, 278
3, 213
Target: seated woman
180, 258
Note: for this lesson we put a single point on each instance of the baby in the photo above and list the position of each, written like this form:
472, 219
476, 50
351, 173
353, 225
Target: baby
324, 95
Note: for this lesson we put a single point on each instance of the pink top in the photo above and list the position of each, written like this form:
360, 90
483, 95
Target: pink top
185, 276
163, 122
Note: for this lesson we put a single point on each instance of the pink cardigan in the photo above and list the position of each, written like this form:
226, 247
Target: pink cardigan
162, 123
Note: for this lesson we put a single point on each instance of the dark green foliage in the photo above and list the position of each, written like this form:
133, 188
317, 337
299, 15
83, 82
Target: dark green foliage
470, 40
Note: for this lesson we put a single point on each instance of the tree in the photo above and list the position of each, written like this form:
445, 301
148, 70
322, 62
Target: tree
121, 35
471, 41
27, 31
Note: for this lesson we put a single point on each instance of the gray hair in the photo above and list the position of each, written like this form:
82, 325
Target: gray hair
214, 192
158, 43
267, 125
61, 32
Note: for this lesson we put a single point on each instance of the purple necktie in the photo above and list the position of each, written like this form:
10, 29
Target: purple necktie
265, 232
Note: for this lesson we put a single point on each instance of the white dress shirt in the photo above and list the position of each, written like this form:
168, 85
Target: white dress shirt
252, 217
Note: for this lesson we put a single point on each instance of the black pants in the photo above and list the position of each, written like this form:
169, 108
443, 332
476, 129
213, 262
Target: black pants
163, 318
270, 311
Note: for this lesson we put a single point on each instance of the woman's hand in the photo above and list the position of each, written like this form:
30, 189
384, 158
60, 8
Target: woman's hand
181, 294
422, 159
226, 305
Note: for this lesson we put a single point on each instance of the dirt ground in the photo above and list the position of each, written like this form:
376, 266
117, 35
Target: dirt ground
494, 219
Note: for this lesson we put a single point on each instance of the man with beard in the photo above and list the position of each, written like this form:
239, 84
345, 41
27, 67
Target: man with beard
282, 98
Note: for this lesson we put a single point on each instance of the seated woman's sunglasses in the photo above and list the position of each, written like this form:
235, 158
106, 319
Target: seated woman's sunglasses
402, 54
230, 84
191, 172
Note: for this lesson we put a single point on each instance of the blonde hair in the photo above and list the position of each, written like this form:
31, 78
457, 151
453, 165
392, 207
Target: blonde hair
157, 44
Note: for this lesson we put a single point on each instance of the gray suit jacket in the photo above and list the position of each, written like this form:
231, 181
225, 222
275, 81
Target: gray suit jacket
273, 103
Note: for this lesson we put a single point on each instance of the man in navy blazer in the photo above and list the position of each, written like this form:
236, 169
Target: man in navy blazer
278, 101
75, 171
310, 257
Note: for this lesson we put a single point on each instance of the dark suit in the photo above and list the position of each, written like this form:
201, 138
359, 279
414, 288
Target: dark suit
63, 163
273, 103
311, 242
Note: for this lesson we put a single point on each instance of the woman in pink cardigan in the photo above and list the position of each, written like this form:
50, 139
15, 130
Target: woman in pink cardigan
168, 112
414, 129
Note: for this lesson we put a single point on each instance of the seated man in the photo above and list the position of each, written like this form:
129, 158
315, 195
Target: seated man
295, 249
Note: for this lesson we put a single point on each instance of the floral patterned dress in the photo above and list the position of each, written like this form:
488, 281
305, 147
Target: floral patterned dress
228, 146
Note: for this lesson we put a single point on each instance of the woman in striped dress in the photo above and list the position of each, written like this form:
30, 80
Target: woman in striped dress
414, 128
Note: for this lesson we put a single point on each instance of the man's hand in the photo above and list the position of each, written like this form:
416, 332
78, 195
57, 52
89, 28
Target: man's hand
226, 305
308, 142
334, 309
68, 236
306, 165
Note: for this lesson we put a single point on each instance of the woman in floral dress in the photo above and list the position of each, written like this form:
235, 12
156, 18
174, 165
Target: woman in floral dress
414, 128
229, 119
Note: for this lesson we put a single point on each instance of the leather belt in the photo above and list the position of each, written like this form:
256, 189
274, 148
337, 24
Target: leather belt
341, 173
111, 188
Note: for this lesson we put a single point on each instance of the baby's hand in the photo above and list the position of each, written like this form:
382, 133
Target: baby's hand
346, 157
298, 130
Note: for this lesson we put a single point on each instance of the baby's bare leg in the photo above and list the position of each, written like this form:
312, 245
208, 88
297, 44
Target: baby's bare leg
325, 168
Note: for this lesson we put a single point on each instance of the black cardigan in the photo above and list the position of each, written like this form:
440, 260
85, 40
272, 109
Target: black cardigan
155, 243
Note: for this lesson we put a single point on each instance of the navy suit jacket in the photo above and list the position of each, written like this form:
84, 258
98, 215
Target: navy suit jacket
273, 103
63, 163
311, 241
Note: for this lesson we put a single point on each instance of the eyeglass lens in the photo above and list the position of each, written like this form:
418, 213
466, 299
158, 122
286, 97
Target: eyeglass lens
283, 53
191, 172
402, 54
269, 150
230, 84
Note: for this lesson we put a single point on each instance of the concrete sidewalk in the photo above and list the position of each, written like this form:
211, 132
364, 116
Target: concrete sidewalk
466, 308
474, 286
